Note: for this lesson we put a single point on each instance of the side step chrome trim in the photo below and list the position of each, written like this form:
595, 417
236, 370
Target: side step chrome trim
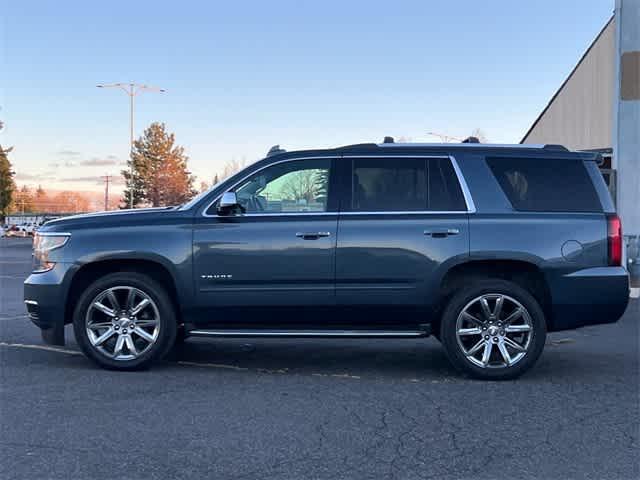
241, 333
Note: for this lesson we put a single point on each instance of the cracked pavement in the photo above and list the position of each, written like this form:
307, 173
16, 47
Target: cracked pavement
314, 409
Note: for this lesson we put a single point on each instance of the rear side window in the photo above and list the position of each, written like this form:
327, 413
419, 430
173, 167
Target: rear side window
405, 184
389, 184
445, 194
547, 185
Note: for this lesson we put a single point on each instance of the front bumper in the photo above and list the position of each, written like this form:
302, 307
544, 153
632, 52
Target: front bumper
45, 299
588, 297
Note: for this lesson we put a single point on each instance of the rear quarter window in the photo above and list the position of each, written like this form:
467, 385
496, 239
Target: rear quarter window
546, 185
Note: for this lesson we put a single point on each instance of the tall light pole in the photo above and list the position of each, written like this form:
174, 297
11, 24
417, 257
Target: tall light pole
132, 89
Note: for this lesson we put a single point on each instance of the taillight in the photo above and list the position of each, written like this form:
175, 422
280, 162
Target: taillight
614, 240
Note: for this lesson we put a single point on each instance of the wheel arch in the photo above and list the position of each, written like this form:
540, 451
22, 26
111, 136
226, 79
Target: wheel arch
525, 273
90, 271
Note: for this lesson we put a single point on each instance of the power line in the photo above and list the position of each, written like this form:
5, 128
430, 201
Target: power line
444, 138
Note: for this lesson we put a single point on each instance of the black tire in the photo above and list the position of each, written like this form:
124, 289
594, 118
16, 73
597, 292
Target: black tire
453, 348
167, 320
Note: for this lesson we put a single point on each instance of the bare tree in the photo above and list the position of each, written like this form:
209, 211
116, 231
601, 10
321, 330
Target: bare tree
301, 185
480, 135
232, 166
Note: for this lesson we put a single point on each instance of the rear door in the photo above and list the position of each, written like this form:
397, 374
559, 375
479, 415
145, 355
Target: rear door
401, 219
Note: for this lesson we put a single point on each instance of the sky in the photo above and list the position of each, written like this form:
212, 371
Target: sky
241, 76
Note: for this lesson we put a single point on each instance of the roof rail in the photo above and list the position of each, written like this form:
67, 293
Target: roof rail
553, 146
471, 145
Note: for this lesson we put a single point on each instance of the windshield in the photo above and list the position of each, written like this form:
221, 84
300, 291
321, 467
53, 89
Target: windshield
204, 193
198, 197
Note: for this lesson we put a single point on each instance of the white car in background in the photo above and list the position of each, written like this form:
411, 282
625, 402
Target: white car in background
28, 229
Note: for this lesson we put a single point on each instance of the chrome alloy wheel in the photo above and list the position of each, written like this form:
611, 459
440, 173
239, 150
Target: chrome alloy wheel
122, 323
494, 331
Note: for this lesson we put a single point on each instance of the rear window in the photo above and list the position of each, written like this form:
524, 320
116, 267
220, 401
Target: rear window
549, 185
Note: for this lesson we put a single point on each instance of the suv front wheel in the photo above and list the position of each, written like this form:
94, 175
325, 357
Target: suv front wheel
493, 330
125, 321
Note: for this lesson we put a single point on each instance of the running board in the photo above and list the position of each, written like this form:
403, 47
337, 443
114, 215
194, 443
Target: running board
248, 332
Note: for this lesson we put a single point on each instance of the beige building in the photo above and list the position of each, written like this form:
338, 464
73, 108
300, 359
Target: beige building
580, 114
597, 108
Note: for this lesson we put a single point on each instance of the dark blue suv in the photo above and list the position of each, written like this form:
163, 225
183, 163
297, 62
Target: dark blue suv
487, 247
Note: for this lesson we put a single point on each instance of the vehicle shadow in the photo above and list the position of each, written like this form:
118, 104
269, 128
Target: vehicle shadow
355, 358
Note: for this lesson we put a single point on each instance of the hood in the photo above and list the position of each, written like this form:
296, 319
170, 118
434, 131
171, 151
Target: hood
129, 217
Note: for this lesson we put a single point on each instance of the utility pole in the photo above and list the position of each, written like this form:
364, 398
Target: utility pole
106, 191
444, 138
132, 89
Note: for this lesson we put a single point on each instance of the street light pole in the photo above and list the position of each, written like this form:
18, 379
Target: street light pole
132, 89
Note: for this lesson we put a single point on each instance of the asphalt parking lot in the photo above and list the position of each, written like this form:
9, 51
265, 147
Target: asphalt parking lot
305, 409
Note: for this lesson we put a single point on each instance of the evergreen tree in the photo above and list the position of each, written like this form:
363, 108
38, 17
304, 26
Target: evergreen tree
160, 175
7, 184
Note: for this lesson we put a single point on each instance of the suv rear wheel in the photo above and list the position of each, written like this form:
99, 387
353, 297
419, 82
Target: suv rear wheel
125, 321
493, 330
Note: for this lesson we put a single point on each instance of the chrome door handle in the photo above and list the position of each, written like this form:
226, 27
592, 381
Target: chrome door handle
312, 235
441, 232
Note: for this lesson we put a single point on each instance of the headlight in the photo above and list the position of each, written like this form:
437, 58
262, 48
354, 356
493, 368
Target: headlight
43, 244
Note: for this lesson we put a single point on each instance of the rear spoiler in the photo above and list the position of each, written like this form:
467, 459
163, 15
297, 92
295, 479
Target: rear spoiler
599, 159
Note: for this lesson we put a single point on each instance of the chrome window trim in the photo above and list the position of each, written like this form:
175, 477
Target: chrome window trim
291, 214
413, 212
466, 193
53, 234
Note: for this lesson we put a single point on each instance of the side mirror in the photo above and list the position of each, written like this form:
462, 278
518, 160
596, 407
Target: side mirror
228, 204
229, 199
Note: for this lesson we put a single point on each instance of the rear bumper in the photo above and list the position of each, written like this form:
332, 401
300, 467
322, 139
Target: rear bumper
45, 295
588, 297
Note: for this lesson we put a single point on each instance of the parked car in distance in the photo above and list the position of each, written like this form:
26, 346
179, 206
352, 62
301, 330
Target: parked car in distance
28, 229
15, 231
486, 247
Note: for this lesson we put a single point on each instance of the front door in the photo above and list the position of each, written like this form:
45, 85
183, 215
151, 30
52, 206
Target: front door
402, 218
279, 248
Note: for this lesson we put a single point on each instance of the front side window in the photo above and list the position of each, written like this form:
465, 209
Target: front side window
287, 187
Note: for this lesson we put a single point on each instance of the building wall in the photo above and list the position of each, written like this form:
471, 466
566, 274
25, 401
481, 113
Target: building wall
579, 115
626, 114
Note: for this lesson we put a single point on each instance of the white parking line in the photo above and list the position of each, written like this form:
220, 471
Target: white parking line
48, 348
185, 363
14, 317
213, 365
634, 293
